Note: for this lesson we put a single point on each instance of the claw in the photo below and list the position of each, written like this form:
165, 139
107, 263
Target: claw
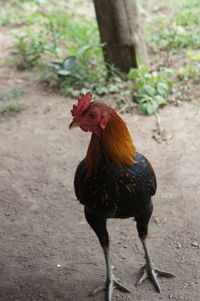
97, 290
142, 278
164, 274
109, 286
155, 280
119, 286
152, 273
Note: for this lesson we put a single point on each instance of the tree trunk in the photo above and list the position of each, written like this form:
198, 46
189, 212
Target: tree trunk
119, 28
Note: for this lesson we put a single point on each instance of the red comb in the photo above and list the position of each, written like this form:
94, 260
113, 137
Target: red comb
83, 104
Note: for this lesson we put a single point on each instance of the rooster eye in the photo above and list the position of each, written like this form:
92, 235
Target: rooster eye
92, 115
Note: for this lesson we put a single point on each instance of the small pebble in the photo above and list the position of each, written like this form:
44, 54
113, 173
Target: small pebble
179, 246
157, 220
195, 244
58, 265
19, 81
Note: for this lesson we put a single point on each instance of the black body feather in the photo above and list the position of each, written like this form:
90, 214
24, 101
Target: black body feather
117, 192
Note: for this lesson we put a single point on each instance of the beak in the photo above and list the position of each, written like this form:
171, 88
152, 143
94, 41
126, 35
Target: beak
73, 125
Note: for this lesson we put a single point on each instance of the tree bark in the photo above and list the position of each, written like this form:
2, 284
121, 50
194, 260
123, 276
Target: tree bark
120, 33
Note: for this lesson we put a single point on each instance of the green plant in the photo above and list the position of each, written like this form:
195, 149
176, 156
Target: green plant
29, 48
189, 72
7, 18
174, 36
76, 70
182, 30
195, 56
12, 94
11, 107
46, 38
151, 88
67, 33
68, 47
14, 11
83, 65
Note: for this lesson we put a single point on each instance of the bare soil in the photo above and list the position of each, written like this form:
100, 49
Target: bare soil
47, 250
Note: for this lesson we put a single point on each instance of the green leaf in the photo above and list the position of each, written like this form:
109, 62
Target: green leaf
133, 74
101, 90
147, 89
78, 76
151, 107
139, 60
144, 69
160, 100
72, 50
70, 63
114, 88
85, 49
194, 56
162, 88
64, 72
148, 105
55, 66
170, 83
169, 71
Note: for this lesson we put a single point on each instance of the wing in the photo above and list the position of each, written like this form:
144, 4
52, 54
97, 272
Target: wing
79, 180
145, 174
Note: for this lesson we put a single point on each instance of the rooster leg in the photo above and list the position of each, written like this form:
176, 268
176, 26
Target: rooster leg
150, 271
98, 224
111, 281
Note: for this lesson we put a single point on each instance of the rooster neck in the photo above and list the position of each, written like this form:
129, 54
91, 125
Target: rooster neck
115, 145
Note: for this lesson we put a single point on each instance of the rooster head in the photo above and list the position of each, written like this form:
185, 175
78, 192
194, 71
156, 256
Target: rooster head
90, 116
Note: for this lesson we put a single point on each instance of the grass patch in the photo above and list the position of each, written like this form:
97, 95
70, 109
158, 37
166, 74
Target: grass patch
178, 31
29, 49
190, 72
11, 107
172, 36
18, 12
66, 47
12, 94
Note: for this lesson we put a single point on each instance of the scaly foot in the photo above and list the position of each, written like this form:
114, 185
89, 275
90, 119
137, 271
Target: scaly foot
109, 286
149, 271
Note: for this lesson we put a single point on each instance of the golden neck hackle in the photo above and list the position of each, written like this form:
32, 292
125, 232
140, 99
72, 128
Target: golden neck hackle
115, 145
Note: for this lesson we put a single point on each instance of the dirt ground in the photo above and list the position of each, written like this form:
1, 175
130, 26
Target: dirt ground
47, 250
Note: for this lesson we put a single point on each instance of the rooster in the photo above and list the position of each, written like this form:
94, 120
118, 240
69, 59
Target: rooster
113, 181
